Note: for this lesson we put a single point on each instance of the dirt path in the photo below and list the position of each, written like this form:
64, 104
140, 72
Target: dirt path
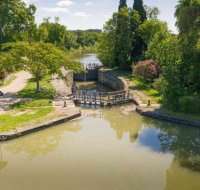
10, 91
18, 84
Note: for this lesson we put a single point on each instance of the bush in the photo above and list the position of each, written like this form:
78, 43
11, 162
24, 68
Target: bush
160, 85
189, 104
147, 69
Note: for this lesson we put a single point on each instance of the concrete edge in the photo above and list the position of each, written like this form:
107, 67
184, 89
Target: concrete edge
169, 118
49, 124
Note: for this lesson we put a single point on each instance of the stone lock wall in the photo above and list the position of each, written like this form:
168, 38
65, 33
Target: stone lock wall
108, 78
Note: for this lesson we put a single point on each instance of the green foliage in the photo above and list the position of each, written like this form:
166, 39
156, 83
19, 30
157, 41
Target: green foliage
152, 12
122, 39
105, 46
138, 44
122, 4
160, 85
40, 59
149, 28
189, 104
16, 20
139, 7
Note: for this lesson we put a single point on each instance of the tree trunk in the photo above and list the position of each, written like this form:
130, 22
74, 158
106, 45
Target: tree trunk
38, 82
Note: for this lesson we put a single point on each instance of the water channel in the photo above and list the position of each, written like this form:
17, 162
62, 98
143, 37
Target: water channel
111, 149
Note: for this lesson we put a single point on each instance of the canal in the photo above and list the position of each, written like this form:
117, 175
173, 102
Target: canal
110, 149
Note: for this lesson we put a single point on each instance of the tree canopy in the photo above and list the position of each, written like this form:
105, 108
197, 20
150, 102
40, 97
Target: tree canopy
16, 20
40, 59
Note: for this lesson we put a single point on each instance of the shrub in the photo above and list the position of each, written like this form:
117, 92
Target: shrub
160, 85
189, 104
3, 74
147, 69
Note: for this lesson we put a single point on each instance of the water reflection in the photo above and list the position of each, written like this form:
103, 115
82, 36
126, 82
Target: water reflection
183, 141
41, 143
89, 59
3, 163
107, 150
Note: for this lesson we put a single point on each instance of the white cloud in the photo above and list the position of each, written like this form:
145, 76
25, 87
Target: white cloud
81, 14
89, 3
55, 10
107, 16
64, 3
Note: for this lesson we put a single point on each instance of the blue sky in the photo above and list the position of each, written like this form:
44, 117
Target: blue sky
85, 14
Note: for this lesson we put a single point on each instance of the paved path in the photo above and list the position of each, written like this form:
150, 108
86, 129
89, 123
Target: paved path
10, 91
62, 92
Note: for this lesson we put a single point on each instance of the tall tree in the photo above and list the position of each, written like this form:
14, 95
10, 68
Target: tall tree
15, 19
139, 7
122, 4
138, 45
122, 45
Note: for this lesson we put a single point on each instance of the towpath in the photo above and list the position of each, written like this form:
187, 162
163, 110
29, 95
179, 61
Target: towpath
10, 91
62, 96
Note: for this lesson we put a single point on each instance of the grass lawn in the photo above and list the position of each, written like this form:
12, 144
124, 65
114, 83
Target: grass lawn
35, 110
19, 117
142, 86
47, 90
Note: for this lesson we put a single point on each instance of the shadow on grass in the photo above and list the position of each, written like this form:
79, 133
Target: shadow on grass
47, 90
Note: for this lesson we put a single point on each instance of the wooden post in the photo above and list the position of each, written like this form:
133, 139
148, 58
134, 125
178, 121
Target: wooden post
149, 103
65, 104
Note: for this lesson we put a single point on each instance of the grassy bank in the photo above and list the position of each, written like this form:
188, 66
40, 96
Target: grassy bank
141, 86
35, 110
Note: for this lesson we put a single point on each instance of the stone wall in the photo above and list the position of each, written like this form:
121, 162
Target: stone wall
91, 75
108, 78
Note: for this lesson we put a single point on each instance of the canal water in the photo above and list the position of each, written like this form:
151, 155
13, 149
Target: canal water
90, 58
111, 149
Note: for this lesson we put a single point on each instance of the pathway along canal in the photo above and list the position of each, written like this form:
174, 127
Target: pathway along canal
108, 150
111, 149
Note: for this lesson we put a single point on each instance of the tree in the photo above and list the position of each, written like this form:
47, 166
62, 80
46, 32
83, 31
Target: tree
15, 20
165, 50
139, 7
122, 45
122, 4
149, 28
152, 12
106, 44
40, 59
188, 22
138, 45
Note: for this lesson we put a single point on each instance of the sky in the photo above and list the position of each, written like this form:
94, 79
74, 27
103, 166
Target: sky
92, 14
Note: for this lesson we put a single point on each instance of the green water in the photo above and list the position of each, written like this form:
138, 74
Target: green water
110, 149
